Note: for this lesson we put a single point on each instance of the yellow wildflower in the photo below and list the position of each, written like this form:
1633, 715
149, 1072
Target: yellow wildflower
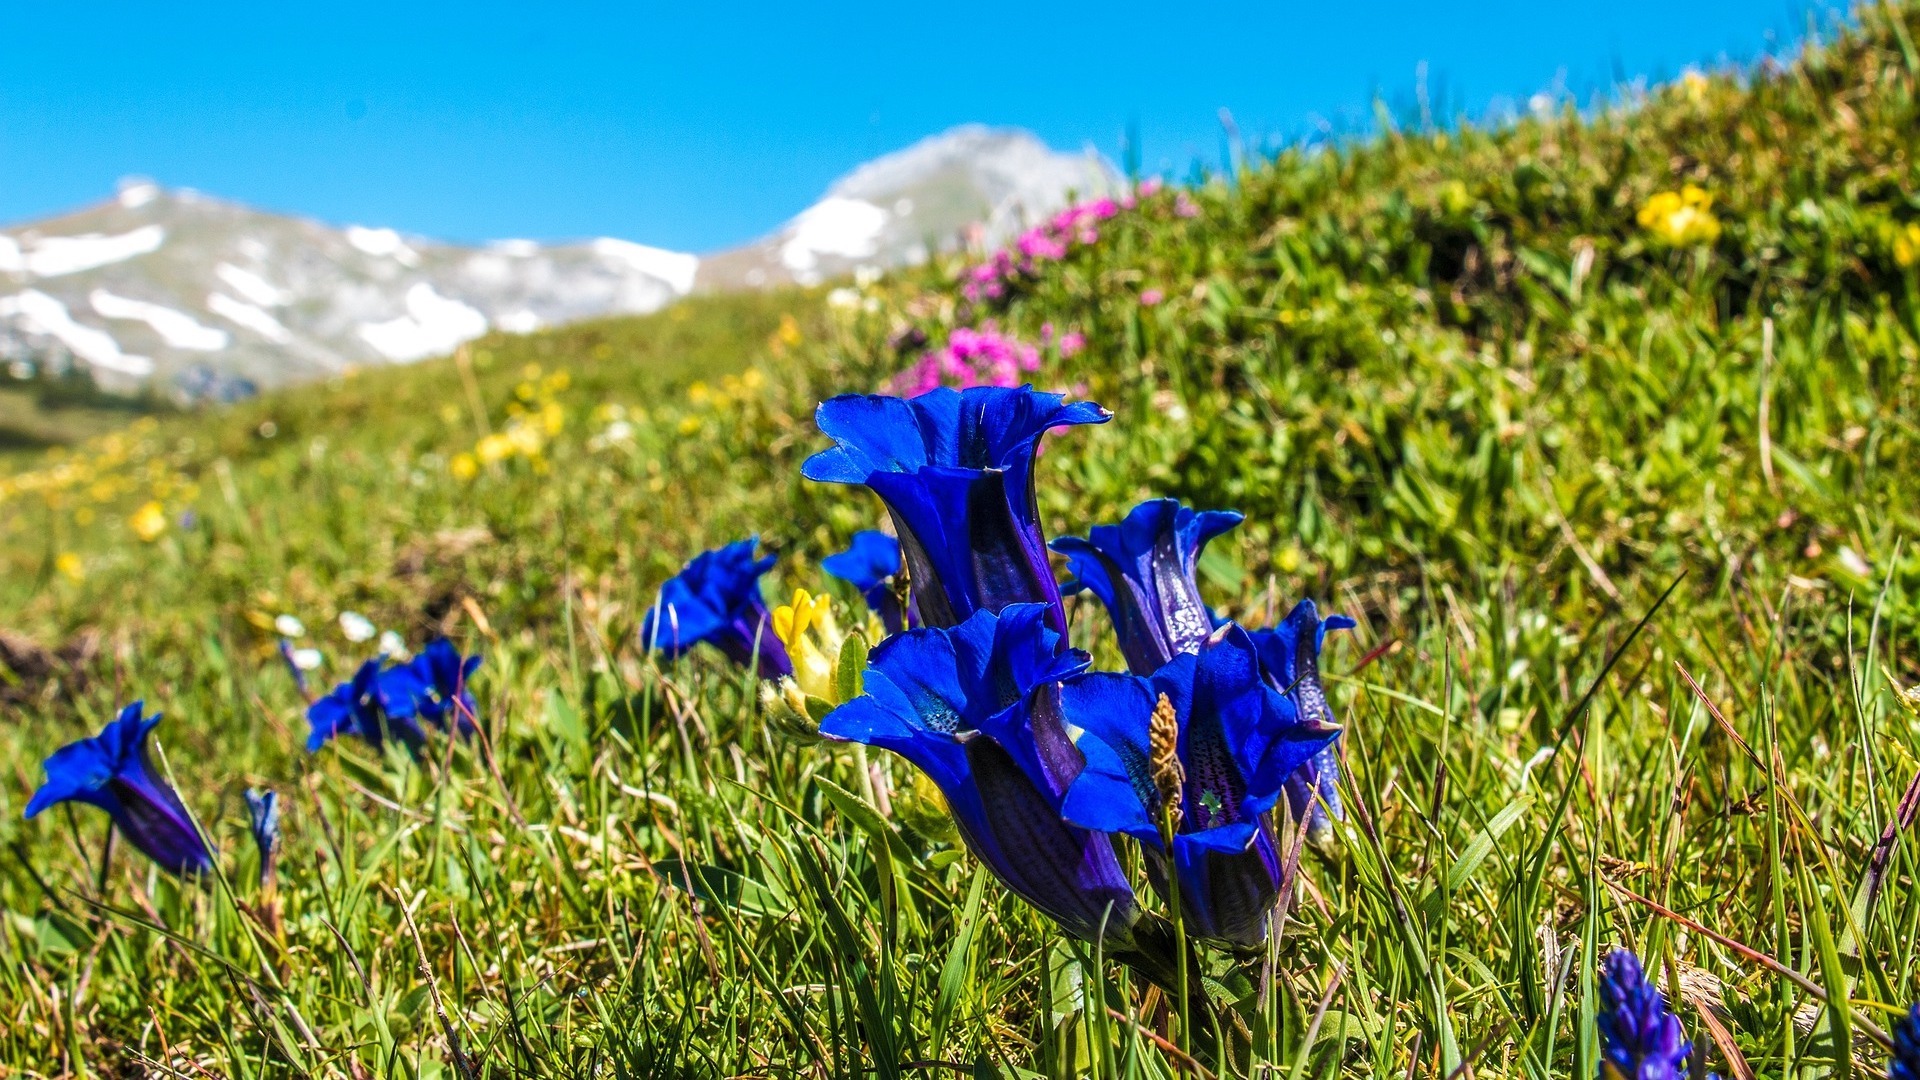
699, 392
70, 566
464, 467
1906, 245
813, 639
1694, 85
553, 418
148, 522
1680, 218
493, 449
789, 332
689, 424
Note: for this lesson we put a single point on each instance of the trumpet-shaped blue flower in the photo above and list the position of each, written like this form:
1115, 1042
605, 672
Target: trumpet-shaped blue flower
955, 469
1143, 571
716, 599
263, 818
974, 707
113, 772
438, 685
870, 564
1291, 655
1640, 1039
1236, 740
1905, 1063
382, 701
373, 705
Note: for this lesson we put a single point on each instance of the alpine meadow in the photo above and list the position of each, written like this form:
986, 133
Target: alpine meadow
1436, 605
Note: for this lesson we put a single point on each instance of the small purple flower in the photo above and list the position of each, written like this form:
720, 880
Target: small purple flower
955, 469
870, 564
263, 814
112, 771
1905, 1063
1640, 1039
716, 599
1290, 653
1143, 571
293, 667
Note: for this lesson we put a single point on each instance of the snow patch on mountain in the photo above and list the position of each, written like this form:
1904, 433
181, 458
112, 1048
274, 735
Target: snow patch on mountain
972, 187
675, 268
382, 244
176, 328
848, 228
433, 324
251, 286
38, 313
58, 256
249, 316
135, 194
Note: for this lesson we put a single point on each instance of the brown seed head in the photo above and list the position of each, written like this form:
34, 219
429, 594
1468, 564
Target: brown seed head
1163, 760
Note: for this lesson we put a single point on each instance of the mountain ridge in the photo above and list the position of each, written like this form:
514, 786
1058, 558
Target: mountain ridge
203, 298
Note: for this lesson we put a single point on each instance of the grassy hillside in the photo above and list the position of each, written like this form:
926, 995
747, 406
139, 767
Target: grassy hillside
1494, 393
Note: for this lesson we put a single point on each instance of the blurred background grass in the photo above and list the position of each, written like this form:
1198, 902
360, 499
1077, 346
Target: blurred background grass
1461, 391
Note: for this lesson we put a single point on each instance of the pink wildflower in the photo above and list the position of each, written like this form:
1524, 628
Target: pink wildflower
982, 357
1150, 297
1072, 342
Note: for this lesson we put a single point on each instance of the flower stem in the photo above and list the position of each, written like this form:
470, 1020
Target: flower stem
1167, 828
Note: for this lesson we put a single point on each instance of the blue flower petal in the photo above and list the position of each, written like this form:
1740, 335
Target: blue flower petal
1290, 655
870, 564
1238, 740
1143, 571
955, 470
716, 599
111, 771
959, 703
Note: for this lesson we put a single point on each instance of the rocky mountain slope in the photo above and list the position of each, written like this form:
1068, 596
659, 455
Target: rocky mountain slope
204, 299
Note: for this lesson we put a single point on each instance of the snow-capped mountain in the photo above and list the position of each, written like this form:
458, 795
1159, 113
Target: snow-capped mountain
201, 298
972, 186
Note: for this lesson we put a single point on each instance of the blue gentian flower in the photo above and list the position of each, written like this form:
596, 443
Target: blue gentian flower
112, 771
263, 814
955, 469
1640, 1039
975, 708
438, 683
373, 705
1236, 740
1905, 1064
1143, 571
1291, 655
870, 564
716, 599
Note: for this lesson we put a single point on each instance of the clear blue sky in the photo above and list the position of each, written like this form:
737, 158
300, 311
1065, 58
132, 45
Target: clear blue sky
698, 126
